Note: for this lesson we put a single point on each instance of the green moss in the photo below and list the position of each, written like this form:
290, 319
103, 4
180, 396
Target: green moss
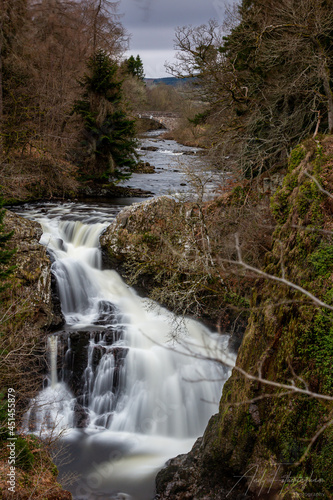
150, 238
308, 201
322, 260
320, 158
24, 457
297, 420
291, 181
238, 195
297, 155
54, 470
233, 299
280, 205
322, 463
316, 345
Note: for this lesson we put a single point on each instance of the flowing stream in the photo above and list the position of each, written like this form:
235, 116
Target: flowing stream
173, 162
130, 385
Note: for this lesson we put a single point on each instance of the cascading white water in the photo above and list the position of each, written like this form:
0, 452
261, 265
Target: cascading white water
154, 386
53, 347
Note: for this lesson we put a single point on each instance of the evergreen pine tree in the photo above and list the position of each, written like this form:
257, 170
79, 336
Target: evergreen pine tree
134, 67
109, 134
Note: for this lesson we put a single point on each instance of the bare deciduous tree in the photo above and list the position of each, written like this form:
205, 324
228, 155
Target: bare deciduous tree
268, 82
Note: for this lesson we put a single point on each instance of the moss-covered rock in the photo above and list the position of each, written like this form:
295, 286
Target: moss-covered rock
172, 251
280, 440
31, 280
28, 311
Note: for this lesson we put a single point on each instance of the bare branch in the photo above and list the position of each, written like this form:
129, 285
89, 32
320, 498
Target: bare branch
319, 185
286, 282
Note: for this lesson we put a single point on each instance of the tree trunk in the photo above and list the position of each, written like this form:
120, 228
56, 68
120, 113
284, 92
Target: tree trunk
97, 12
328, 92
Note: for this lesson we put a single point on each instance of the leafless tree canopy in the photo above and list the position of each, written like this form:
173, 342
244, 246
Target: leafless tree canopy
268, 80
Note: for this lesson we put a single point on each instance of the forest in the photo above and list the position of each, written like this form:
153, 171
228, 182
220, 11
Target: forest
59, 122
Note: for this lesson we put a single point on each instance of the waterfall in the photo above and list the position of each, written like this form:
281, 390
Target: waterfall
126, 374
53, 348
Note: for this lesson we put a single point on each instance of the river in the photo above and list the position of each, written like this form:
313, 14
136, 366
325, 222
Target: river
179, 170
130, 385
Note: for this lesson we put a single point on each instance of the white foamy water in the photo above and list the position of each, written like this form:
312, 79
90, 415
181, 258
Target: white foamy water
153, 388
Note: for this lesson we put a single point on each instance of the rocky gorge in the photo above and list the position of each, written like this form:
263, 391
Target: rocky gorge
272, 436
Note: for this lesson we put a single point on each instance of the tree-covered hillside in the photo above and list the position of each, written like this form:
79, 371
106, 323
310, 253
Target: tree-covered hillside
47, 50
266, 76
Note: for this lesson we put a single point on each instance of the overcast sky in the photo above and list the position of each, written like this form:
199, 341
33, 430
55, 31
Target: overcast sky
152, 25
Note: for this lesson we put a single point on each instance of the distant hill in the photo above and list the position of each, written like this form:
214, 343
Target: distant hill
167, 81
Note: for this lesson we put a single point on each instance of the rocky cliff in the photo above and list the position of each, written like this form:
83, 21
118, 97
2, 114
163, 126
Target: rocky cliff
273, 435
29, 310
32, 280
278, 440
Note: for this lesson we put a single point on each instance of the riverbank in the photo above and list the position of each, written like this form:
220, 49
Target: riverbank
161, 168
29, 309
35, 177
84, 192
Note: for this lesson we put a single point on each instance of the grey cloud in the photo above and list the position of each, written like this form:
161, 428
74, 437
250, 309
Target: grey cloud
169, 13
152, 38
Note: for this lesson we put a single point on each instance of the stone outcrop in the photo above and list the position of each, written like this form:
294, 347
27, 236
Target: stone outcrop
127, 239
277, 440
92, 190
144, 167
30, 309
137, 244
160, 247
189, 477
73, 356
32, 280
